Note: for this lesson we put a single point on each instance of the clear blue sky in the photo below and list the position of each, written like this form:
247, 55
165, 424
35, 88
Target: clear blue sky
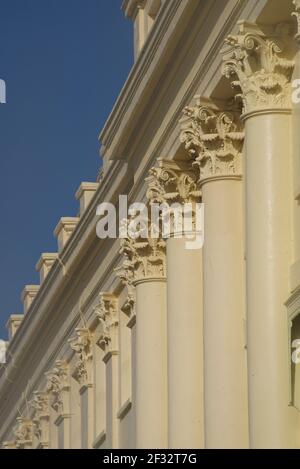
64, 63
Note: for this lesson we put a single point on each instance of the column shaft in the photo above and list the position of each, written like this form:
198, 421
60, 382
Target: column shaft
151, 364
226, 416
269, 227
185, 345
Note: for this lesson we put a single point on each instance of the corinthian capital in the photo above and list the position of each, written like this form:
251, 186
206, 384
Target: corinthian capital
296, 13
23, 433
40, 405
58, 387
81, 344
173, 182
126, 274
260, 65
107, 313
145, 258
214, 139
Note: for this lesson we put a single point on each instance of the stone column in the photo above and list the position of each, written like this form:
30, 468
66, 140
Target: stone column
81, 344
108, 315
215, 139
147, 259
176, 183
260, 66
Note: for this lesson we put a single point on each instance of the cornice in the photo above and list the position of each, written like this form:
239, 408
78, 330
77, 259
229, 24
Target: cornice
149, 60
150, 69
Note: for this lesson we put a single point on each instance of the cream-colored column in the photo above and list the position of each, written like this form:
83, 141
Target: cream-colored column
108, 315
216, 139
261, 67
176, 182
147, 258
81, 344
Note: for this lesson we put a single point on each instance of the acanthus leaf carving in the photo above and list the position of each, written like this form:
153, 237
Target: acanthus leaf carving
145, 258
260, 66
23, 433
173, 182
81, 344
296, 13
40, 405
214, 140
58, 385
107, 313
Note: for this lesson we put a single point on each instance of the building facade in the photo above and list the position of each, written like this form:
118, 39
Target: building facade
130, 343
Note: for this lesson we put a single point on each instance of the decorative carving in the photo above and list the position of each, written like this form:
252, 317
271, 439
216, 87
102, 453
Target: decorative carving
23, 433
57, 385
260, 66
107, 313
144, 258
81, 344
40, 404
296, 13
214, 139
126, 274
172, 182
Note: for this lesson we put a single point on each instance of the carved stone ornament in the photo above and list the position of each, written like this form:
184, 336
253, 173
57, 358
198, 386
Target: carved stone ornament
214, 139
23, 433
126, 275
173, 182
82, 345
57, 384
296, 13
145, 258
107, 313
260, 65
40, 405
